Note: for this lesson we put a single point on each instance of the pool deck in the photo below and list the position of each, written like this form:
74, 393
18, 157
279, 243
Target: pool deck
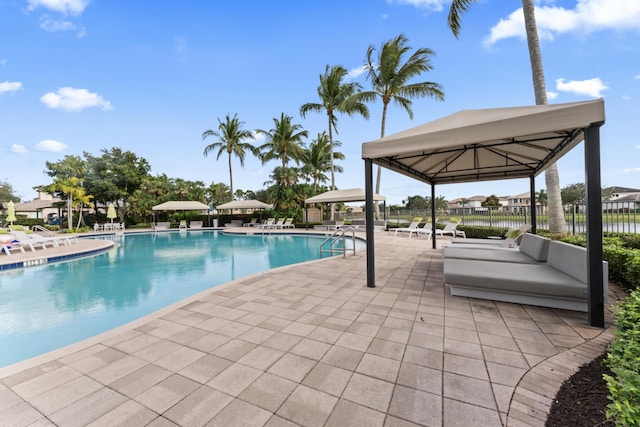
311, 345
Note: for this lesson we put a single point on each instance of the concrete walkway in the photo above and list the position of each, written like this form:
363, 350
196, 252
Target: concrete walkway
311, 345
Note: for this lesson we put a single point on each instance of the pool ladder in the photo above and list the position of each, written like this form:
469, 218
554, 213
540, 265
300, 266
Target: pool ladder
328, 245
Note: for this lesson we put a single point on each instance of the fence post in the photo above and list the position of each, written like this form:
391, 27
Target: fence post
573, 219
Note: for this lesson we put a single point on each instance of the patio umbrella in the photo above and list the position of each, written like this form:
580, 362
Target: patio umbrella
11, 212
111, 213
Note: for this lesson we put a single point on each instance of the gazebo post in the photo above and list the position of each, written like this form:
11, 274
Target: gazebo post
532, 192
593, 192
368, 220
433, 216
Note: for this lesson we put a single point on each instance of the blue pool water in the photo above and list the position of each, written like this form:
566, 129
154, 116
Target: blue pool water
47, 307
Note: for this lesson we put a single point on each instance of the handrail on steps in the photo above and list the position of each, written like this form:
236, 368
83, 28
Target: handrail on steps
41, 229
340, 233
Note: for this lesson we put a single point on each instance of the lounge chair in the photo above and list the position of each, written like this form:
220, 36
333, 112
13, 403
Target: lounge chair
288, 223
269, 223
250, 224
195, 224
450, 228
34, 239
161, 226
410, 229
279, 223
8, 245
183, 224
510, 241
98, 227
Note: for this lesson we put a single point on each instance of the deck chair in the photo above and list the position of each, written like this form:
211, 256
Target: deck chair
269, 223
279, 224
288, 223
510, 241
195, 224
9, 245
411, 228
183, 224
450, 228
250, 224
34, 239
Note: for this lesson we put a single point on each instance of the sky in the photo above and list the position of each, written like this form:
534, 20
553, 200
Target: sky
151, 76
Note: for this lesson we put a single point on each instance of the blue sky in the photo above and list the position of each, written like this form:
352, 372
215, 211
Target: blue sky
151, 76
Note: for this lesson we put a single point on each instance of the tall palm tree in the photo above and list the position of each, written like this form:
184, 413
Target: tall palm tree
390, 79
283, 142
231, 140
336, 96
555, 211
317, 159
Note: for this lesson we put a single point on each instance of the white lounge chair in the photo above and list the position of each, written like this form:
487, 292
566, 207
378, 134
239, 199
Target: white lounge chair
512, 237
183, 224
34, 239
195, 224
450, 228
161, 226
251, 224
269, 223
410, 229
10, 244
288, 223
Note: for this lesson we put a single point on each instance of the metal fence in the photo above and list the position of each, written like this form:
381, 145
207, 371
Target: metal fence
617, 218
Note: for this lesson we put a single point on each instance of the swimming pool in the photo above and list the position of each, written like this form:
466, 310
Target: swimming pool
50, 306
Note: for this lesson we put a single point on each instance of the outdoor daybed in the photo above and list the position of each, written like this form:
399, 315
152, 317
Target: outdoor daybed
561, 282
532, 250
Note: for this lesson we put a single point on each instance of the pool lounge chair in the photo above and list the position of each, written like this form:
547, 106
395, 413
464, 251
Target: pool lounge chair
9, 245
410, 229
511, 240
33, 240
161, 226
195, 224
269, 223
288, 223
183, 224
251, 224
450, 228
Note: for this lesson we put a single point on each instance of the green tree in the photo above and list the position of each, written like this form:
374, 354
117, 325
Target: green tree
231, 140
7, 193
390, 76
114, 176
417, 203
69, 176
336, 96
217, 193
552, 178
316, 160
573, 194
283, 142
492, 200
541, 197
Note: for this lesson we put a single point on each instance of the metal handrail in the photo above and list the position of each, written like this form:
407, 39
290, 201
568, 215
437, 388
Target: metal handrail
334, 237
41, 229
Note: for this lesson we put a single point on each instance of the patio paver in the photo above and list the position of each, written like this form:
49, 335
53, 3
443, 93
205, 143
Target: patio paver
311, 345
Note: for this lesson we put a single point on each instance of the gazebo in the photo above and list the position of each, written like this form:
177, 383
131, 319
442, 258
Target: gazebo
495, 144
348, 195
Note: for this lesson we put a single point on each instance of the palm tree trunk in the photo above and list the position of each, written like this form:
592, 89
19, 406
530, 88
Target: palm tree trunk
379, 172
557, 223
230, 177
69, 212
333, 177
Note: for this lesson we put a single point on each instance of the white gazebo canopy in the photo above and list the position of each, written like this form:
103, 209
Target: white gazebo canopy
499, 143
488, 144
244, 204
181, 206
335, 196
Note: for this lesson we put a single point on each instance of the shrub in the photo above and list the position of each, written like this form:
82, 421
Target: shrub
624, 361
482, 232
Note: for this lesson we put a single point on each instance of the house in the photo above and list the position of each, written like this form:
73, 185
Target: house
43, 207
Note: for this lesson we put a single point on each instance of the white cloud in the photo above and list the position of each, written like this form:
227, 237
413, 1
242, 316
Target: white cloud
19, 149
587, 17
257, 136
637, 77
65, 7
72, 99
592, 87
10, 87
357, 72
626, 98
53, 25
552, 95
435, 5
50, 145
3, 62
631, 170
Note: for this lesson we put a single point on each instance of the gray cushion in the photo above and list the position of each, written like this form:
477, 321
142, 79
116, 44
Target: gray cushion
531, 279
535, 246
487, 254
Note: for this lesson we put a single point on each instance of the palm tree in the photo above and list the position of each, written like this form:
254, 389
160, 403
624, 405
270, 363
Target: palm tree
336, 97
317, 159
390, 78
231, 137
555, 211
283, 142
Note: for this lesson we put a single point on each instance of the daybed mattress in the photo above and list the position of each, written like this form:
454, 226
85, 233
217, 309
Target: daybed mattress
487, 254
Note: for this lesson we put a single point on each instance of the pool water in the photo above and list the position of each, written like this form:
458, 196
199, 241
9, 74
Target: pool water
50, 306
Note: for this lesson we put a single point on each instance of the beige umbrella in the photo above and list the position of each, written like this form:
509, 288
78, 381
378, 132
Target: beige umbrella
11, 212
111, 213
